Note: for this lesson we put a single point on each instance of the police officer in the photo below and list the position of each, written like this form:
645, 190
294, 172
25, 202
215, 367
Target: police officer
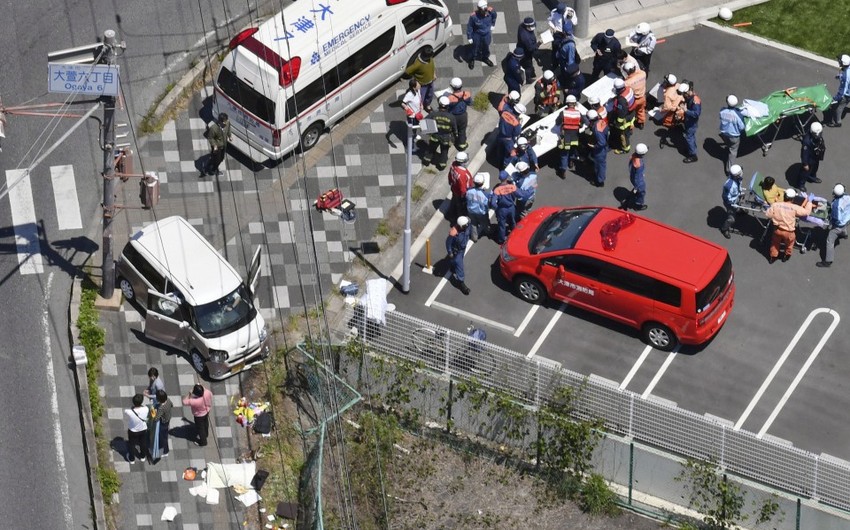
731, 129
503, 201
811, 153
443, 138
521, 153
570, 122
478, 208
510, 129
731, 194
526, 39
526, 183
605, 47
644, 43
598, 145
460, 180
567, 60
842, 96
561, 21
637, 174
479, 33
693, 109
459, 100
839, 216
546, 94
514, 73
455, 248
624, 115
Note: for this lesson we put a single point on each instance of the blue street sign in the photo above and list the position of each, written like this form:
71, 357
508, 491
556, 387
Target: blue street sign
94, 79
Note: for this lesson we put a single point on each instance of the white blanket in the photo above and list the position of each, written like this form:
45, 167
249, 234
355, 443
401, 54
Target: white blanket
225, 475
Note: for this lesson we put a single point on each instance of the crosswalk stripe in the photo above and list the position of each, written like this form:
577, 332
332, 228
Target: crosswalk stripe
23, 218
65, 192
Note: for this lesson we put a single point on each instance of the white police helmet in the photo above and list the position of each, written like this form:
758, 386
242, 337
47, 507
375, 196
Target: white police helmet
462, 221
482, 4
522, 141
641, 149
731, 100
838, 190
456, 83
522, 166
478, 179
736, 170
844, 60
816, 128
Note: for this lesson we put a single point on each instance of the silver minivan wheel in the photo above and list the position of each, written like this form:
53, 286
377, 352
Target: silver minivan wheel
126, 289
198, 361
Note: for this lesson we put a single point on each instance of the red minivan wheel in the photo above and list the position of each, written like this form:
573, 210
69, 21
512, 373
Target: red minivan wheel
659, 336
530, 290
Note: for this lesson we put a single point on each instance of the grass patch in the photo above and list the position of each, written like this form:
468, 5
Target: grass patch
152, 123
417, 192
93, 338
383, 228
481, 103
792, 22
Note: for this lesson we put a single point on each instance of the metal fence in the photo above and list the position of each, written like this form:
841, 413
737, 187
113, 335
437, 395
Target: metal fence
532, 382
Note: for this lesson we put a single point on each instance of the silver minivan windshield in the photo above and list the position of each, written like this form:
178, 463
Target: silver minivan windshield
226, 314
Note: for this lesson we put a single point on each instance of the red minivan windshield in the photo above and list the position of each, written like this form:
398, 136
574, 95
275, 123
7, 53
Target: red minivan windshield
560, 231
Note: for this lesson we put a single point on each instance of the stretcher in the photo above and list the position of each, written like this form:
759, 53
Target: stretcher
752, 202
543, 134
799, 104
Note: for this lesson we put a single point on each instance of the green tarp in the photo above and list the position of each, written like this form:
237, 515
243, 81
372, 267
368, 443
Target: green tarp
789, 102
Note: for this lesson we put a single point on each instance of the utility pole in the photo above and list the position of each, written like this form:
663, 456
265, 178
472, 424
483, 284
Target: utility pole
110, 57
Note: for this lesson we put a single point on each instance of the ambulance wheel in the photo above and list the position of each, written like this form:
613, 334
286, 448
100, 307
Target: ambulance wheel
659, 336
127, 289
530, 290
311, 136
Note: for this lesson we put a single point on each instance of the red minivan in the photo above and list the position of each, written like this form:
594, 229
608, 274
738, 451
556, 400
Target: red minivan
672, 286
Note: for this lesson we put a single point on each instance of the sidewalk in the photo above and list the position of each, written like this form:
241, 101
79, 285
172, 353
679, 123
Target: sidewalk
307, 253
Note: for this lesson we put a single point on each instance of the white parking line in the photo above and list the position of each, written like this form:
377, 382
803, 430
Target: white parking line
814, 355
780, 362
472, 316
549, 326
526, 320
636, 367
660, 373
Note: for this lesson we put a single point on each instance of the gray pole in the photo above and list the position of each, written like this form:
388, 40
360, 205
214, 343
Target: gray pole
405, 274
108, 266
583, 14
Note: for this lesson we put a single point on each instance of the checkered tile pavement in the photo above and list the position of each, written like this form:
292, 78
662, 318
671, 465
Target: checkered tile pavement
307, 253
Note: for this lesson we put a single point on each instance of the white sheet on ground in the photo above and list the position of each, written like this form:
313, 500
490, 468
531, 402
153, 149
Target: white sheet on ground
225, 475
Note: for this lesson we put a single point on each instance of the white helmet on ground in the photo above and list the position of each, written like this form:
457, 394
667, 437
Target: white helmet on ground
522, 141
592, 115
844, 60
641, 149
838, 190
571, 99
642, 28
520, 108
548, 75
513, 95
462, 221
732, 100
736, 170
456, 83
816, 128
462, 157
445, 101
790, 193
522, 166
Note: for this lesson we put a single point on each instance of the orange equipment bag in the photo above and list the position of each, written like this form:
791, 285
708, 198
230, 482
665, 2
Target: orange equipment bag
329, 200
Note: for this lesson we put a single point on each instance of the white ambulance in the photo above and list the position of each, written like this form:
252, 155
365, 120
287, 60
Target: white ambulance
288, 80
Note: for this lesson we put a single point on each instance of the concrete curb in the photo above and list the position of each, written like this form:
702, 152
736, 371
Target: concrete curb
771, 43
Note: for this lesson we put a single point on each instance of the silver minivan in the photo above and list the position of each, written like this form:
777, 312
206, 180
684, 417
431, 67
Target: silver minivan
193, 299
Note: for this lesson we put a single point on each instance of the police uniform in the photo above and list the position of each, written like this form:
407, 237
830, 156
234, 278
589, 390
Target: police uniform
455, 248
503, 201
693, 109
509, 130
526, 39
526, 189
606, 62
514, 73
479, 30
458, 101
637, 169
599, 150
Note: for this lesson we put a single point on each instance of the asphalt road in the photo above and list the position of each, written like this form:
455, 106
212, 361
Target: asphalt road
802, 401
43, 476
